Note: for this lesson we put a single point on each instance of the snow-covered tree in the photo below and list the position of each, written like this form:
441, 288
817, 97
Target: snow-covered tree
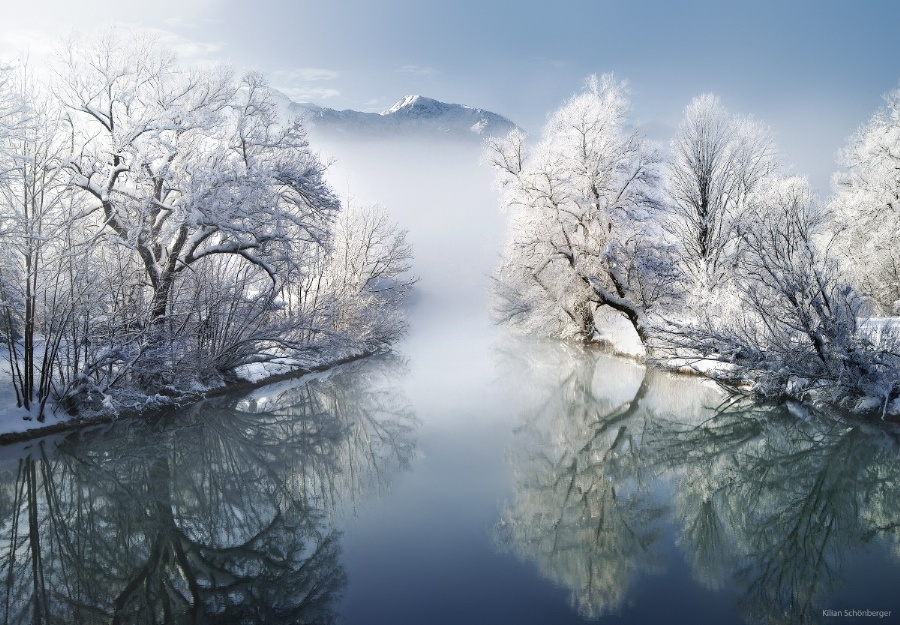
35, 209
584, 219
13, 114
866, 207
188, 164
365, 278
794, 329
195, 173
718, 161
156, 224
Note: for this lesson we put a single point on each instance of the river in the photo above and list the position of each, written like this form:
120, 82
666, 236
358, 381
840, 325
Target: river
470, 477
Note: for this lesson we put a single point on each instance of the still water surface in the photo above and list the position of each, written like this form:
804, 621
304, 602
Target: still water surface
564, 486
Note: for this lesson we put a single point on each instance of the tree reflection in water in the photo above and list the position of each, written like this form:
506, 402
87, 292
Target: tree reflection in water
220, 514
582, 512
767, 500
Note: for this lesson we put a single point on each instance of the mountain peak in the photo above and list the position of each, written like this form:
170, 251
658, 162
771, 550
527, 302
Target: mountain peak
412, 114
418, 106
404, 103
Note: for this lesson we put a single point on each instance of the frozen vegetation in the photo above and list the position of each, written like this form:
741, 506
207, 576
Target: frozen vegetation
710, 255
164, 229
167, 230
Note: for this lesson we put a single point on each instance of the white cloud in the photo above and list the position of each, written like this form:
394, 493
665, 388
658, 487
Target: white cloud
205, 20
304, 84
308, 94
305, 74
419, 70
186, 49
39, 47
14, 43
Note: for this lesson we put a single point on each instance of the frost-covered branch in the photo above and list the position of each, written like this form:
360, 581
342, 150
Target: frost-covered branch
583, 208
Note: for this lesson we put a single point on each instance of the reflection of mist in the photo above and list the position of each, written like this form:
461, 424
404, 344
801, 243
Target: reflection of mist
218, 515
760, 501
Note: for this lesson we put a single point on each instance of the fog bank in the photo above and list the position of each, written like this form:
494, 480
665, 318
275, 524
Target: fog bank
441, 193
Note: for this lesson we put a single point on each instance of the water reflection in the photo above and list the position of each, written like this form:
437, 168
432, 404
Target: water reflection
220, 515
769, 502
582, 511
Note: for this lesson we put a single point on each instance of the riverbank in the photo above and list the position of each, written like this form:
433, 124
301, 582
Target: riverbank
34, 429
618, 339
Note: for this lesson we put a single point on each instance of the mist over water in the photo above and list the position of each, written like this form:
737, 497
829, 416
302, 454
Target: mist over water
443, 195
439, 191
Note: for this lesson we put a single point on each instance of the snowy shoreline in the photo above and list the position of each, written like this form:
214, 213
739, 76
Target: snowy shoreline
34, 429
617, 340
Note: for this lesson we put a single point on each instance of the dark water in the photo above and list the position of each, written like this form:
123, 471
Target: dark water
566, 487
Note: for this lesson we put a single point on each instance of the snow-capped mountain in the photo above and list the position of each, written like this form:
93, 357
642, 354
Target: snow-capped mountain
413, 114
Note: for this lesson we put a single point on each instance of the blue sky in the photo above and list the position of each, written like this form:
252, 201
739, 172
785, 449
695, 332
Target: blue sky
813, 70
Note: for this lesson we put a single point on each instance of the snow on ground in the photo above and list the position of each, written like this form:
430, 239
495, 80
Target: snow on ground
258, 371
13, 419
878, 327
16, 419
618, 333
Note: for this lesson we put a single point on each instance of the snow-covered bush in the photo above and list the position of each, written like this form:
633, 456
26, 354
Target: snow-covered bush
795, 330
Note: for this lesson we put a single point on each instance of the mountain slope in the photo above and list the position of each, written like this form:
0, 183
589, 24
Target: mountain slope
412, 115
